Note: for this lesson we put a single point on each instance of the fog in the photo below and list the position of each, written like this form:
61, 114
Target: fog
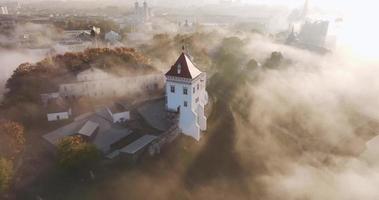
309, 126
11, 59
295, 131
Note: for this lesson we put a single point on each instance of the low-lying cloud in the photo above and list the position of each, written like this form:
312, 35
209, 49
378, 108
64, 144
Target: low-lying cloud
309, 123
11, 59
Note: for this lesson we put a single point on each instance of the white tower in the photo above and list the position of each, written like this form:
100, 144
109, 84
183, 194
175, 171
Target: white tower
186, 93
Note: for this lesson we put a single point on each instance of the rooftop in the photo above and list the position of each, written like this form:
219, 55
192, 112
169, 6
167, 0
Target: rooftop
184, 68
138, 144
57, 105
107, 134
117, 108
88, 128
154, 113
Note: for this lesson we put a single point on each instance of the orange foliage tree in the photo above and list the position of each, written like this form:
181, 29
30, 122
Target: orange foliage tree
12, 139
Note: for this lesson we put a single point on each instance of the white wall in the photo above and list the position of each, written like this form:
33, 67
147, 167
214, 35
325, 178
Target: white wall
111, 87
188, 124
117, 117
92, 74
112, 37
61, 115
192, 118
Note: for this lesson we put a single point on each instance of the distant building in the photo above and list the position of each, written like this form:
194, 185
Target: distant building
4, 10
299, 15
112, 37
57, 109
140, 19
305, 10
312, 36
142, 12
186, 93
75, 40
292, 37
96, 83
314, 33
187, 27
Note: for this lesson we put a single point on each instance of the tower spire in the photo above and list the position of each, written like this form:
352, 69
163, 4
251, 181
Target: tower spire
305, 9
183, 46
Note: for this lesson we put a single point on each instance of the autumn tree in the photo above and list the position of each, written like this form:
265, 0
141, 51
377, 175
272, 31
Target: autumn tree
76, 154
12, 139
6, 173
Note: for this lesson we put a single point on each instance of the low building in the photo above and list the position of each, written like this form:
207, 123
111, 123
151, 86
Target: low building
98, 84
46, 97
57, 109
119, 113
96, 128
112, 37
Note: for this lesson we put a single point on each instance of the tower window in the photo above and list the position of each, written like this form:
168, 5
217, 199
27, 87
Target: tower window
172, 88
194, 90
185, 91
185, 104
198, 86
179, 68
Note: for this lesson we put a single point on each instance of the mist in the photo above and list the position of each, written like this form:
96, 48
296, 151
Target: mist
11, 59
308, 123
296, 130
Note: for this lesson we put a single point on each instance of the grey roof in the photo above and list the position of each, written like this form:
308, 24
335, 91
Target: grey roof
106, 139
55, 136
88, 128
57, 105
154, 113
138, 144
107, 135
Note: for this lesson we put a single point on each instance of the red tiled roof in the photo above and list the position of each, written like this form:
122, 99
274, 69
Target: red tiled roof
184, 68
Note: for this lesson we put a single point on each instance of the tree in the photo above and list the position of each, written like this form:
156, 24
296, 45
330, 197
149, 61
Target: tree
6, 173
12, 139
252, 65
75, 154
275, 60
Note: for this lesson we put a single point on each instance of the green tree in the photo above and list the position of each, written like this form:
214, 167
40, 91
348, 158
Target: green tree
75, 154
6, 173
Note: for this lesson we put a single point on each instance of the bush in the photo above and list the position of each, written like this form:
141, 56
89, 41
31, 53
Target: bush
6, 173
75, 154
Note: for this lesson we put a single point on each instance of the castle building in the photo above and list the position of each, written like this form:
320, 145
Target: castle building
186, 94
142, 12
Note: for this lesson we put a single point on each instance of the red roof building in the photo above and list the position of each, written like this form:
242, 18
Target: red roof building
184, 68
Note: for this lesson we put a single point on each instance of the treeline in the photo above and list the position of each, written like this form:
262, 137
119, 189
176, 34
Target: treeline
78, 23
165, 48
